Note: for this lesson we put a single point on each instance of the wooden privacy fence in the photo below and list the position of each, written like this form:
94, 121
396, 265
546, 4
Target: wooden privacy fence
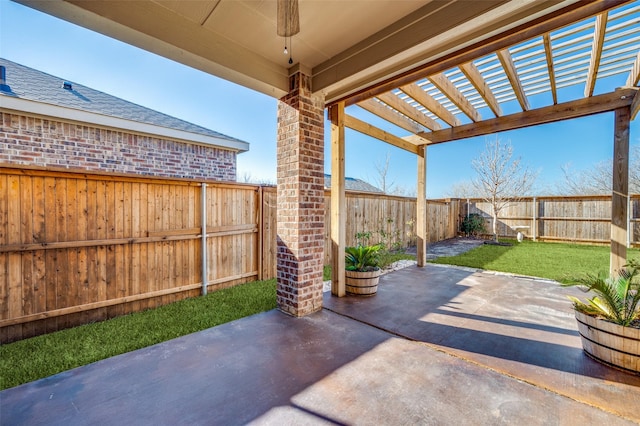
386, 218
583, 219
77, 248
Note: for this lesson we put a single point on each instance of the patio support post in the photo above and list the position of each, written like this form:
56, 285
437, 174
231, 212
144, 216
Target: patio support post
421, 207
300, 218
338, 202
620, 189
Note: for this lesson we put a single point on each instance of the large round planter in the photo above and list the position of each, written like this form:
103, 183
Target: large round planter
362, 283
610, 343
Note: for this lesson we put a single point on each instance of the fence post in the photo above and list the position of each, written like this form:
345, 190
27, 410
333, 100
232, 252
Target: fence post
535, 220
205, 272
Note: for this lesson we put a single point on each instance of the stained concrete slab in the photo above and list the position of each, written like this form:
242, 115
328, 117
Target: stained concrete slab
327, 368
519, 327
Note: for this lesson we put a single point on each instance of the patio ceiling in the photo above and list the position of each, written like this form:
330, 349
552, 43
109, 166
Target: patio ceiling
345, 46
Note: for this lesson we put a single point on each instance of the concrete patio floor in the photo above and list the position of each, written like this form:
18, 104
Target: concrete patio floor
436, 345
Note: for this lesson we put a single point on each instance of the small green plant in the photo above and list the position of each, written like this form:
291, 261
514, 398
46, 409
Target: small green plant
617, 297
362, 238
362, 258
472, 225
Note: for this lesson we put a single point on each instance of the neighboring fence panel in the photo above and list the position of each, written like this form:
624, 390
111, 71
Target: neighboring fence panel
390, 220
77, 248
387, 218
584, 219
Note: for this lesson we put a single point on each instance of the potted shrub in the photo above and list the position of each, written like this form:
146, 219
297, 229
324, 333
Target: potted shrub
362, 269
609, 323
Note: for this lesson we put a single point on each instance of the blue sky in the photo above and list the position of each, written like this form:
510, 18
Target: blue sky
73, 53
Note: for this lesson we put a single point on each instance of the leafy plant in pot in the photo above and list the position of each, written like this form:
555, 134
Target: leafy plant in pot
609, 323
362, 270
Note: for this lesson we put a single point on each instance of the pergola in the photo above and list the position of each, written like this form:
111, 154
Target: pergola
439, 71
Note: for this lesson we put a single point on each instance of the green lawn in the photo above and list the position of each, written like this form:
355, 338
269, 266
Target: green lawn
556, 261
42, 356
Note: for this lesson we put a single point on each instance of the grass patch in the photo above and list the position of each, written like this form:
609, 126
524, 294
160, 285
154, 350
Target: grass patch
387, 258
42, 356
326, 272
556, 261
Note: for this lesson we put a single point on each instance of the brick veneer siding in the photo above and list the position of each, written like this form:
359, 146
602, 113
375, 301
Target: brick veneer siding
300, 224
47, 142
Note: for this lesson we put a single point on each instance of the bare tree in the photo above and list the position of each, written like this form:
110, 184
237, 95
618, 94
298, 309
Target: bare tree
404, 191
247, 177
598, 178
500, 178
381, 180
462, 189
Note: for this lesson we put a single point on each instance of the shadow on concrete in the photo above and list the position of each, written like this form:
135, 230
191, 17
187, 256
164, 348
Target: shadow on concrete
520, 327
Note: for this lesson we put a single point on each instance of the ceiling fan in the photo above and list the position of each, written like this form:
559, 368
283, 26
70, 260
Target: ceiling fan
288, 22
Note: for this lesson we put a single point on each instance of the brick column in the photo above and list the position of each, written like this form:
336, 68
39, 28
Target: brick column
300, 226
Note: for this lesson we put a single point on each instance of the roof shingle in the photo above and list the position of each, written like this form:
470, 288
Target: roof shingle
30, 84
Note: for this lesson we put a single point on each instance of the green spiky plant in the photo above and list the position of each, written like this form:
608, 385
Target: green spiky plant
362, 258
617, 297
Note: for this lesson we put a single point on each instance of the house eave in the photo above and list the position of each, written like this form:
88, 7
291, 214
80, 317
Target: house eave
12, 104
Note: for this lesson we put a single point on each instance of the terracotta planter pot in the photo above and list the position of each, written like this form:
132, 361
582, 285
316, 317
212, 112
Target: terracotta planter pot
362, 283
610, 343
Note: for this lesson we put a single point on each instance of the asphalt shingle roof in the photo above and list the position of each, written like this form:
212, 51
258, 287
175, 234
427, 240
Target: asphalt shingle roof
353, 184
30, 84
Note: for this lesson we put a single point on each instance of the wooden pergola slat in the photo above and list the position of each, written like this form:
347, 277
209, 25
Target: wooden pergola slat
377, 133
634, 74
473, 75
596, 53
451, 91
548, 52
512, 74
390, 115
401, 106
423, 98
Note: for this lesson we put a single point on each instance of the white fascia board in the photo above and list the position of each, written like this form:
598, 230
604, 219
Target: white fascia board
95, 119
